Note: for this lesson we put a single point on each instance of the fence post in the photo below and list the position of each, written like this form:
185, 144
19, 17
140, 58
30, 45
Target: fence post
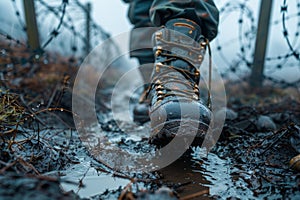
256, 76
31, 25
88, 29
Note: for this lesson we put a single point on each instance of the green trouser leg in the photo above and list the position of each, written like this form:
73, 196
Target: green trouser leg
203, 12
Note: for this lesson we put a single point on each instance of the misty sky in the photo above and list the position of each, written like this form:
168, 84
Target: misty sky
112, 16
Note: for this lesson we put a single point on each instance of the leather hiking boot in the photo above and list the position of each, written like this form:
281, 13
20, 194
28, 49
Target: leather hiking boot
141, 109
175, 106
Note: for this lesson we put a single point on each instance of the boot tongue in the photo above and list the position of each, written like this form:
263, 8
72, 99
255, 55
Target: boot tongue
185, 27
184, 32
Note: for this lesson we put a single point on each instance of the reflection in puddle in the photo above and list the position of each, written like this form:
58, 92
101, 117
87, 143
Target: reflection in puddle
192, 173
93, 181
197, 172
218, 173
182, 175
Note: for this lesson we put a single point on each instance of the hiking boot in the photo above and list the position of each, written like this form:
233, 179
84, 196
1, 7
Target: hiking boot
175, 105
141, 109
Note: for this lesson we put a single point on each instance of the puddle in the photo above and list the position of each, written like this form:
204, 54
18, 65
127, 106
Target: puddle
240, 166
218, 173
94, 182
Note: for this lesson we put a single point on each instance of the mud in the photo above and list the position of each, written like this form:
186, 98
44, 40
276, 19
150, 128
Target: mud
42, 155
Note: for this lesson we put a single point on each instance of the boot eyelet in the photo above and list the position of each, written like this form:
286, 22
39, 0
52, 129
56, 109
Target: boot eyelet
158, 52
158, 35
160, 92
200, 57
159, 99
157, 66
203, 44
159, 87
195, 97
158, 102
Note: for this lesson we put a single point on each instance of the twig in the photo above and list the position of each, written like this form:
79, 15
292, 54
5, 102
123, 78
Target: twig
51, 179
21, 161
61, 120
28, 108
276, 140
125, 190
124, 176
3, 163
52, 96
81, 185
197, 194
9, 165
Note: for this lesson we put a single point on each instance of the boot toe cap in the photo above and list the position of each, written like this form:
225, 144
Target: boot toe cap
185, 119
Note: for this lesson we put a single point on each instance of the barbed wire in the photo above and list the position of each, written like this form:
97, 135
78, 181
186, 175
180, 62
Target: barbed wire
290, 59
18, 15
284, 10
239, 64
55, 32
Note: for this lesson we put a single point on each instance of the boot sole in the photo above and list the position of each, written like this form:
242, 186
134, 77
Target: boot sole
163, 133
141, 119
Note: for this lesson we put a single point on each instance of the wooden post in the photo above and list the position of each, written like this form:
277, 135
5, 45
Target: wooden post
88, 29
31, 25
256, 77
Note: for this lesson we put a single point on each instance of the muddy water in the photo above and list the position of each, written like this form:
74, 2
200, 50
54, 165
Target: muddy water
231, 170
192, 173
93, 181
222, 178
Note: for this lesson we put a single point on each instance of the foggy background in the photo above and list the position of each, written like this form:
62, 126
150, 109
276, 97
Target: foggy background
112, 17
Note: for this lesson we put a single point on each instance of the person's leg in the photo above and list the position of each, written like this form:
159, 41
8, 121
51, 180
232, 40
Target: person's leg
179, 48
141, 48
203, 12
138, 14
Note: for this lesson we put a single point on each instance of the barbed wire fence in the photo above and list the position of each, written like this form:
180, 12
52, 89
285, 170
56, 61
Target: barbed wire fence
64, 26
76, 34
241, 47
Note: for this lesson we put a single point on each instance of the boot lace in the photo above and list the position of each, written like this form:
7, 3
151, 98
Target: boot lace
164, 77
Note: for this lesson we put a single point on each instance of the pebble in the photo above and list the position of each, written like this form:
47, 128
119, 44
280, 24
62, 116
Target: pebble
230, 114
162, 193
295, 163
265, 123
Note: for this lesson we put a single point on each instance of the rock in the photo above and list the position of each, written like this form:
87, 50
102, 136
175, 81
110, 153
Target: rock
295, 138
295, 163
280, 117
162, 193
230, 114
265, 123
14, 186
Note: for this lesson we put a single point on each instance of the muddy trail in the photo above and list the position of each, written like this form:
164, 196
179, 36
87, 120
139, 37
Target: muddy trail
42, 156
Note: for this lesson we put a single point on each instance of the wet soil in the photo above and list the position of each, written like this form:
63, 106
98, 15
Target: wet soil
43, 157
